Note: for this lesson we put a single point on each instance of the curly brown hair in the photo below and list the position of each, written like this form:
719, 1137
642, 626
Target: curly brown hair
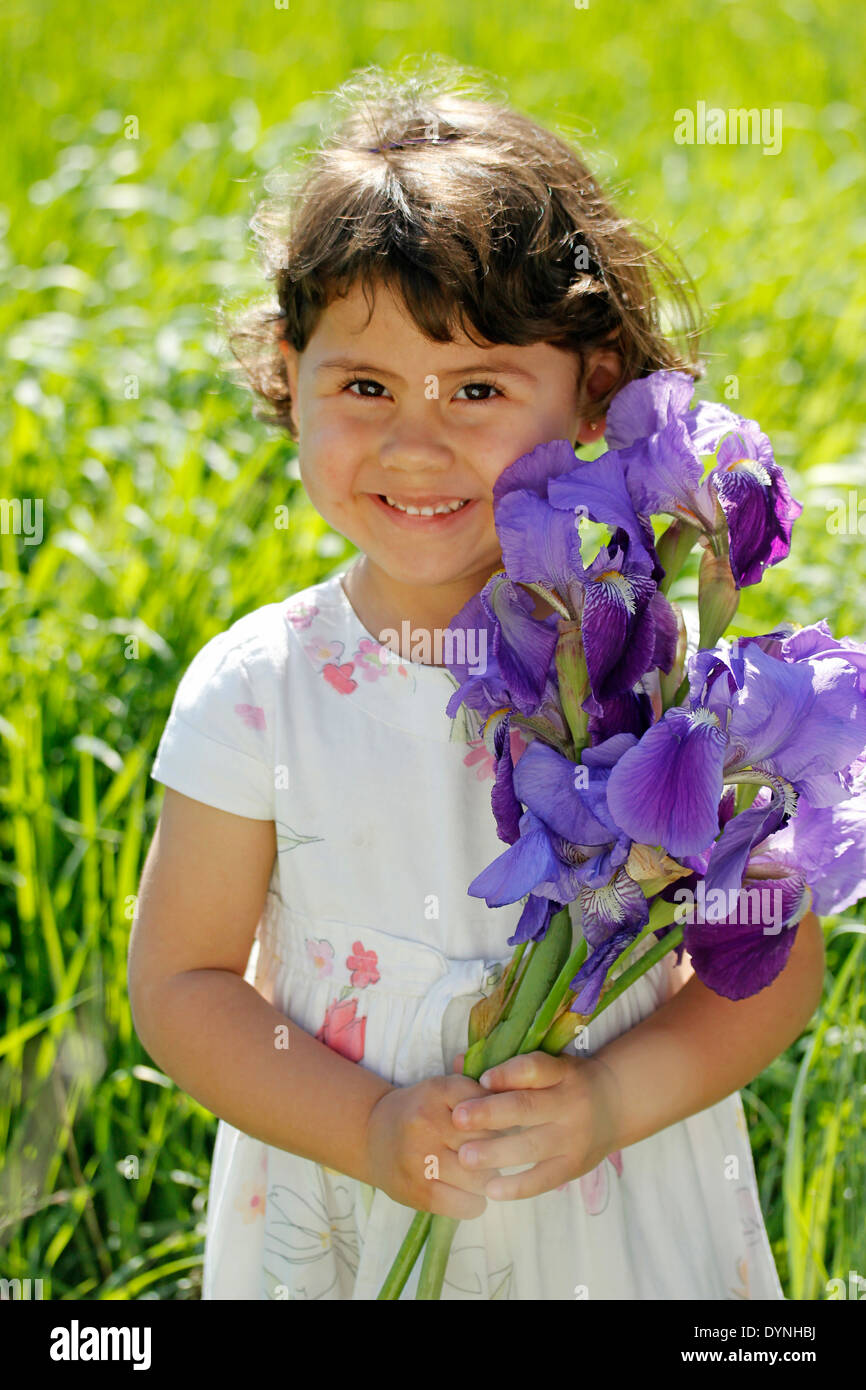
482, 220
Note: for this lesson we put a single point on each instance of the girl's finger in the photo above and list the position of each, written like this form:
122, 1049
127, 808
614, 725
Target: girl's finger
511, 1109
544, 1177
524, 1072
533, 1145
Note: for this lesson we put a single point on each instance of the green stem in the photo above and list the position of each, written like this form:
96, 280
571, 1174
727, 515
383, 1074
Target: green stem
436, 1254
661, 915
546, 1013
512, 968
509, 1003
406, 1256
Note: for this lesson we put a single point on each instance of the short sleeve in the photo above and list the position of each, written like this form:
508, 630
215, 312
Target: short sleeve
217, 742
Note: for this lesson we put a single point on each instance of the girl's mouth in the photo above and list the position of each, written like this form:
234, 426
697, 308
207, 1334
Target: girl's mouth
426, 516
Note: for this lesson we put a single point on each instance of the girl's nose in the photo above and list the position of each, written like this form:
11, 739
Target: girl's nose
407, 451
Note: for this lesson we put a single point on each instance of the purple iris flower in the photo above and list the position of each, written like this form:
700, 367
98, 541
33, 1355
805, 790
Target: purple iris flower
816, 860
792, 644
658, 441
642, 408
801, 722
742, 947
599, 490
628, 625
540, 545
523, 646
569, 847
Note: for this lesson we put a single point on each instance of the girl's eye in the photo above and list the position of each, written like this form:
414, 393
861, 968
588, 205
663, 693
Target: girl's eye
474, 386
366, 381
370, 389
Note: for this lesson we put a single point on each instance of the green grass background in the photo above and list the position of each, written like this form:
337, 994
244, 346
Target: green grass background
158, 511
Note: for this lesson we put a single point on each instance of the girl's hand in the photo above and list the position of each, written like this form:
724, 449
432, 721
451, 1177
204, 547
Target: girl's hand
558, 1113
412, 1148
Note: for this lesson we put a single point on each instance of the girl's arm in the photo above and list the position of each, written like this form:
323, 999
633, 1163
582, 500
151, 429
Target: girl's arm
201, 893
699, 1047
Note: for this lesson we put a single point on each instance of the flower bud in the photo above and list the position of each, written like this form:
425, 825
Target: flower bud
718, 595
673, 548
573, 680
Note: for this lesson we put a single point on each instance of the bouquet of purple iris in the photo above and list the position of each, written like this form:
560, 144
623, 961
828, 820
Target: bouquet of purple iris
709, 799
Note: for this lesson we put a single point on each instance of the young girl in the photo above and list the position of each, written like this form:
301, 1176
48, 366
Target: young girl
453, 288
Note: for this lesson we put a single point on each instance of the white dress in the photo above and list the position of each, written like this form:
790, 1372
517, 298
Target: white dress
370, 942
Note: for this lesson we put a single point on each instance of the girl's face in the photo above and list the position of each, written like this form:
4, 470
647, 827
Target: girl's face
381, 411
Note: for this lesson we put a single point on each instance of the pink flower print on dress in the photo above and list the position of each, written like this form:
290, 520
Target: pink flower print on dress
250, 1201
480, 759
321, 953
363, 966
339, 677
252, 715
594, 1185
342, 1031
323, 652
371, 659
301, 615
329, 653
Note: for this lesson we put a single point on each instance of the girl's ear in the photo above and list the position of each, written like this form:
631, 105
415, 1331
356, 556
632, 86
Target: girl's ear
603, 370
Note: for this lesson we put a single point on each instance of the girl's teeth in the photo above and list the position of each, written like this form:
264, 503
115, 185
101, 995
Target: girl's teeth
441, 508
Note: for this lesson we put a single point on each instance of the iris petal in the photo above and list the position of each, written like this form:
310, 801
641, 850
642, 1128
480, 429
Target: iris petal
523, 646
643, 407
737, 957
758, 505
599, 488
618, 632
666, 790
533, 471
506, 807
516, 872
727, 862
590, 978
828, 843
481, 690
803, 717
540, 545
545, 782
663, 474
534, 919
605, 910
